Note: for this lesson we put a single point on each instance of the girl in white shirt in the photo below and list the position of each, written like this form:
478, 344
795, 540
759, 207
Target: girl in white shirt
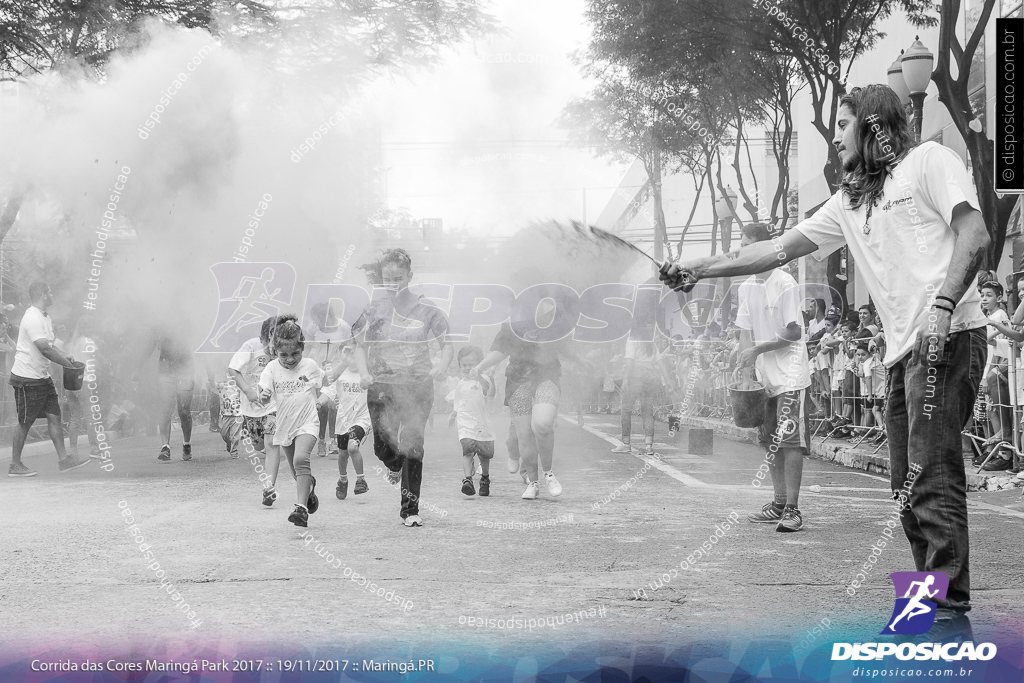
294, 382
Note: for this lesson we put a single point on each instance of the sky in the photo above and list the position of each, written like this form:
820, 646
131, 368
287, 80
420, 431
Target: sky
475, 141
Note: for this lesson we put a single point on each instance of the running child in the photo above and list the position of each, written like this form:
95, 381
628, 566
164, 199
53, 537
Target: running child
470, 411
874, 370
294, 383
230, 418
258, 418
353, 417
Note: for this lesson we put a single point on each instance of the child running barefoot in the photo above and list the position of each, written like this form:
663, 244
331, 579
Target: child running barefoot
353, 417
470, 410
294, 383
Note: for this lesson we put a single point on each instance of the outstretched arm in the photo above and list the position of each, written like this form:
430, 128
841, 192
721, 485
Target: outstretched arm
750, 260
490, 360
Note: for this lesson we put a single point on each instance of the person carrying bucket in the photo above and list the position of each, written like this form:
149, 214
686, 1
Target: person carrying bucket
34, 393
770, 340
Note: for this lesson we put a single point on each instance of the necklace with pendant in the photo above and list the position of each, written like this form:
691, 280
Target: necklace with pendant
867, 220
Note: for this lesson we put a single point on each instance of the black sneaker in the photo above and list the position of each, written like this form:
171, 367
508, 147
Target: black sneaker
467, 486
768, 513
68, 464
791, 520
997, 465
269, 496
186, 452
341, 491
485, 485
299, 516
312, 503
361, 486
165, 454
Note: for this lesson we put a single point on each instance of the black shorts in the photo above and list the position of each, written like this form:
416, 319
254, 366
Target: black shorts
355, 434
34, 398
485, 449
786, 423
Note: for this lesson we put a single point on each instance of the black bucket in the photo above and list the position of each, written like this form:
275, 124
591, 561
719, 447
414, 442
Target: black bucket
73, 376
748, 404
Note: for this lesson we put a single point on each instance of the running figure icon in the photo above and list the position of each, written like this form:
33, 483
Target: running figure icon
915, 607
247, 311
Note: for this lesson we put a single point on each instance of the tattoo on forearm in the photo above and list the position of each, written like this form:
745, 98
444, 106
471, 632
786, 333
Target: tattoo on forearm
977, 258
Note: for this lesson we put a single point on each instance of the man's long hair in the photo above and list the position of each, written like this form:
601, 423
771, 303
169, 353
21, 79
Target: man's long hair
875, 105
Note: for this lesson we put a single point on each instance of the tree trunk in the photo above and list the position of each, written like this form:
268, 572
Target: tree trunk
10, 212
708, 162
660, 229
693, 210
726, 224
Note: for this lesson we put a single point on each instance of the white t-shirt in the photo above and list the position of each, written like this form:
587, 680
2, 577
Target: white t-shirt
29, 361
875, 369
909, 245
295, 391
1002, 346
250, 362
765, 312
824, 352
351, 401
471, 410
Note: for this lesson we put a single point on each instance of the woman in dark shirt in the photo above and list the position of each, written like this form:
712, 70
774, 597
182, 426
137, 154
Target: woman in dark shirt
532, 393
395, 368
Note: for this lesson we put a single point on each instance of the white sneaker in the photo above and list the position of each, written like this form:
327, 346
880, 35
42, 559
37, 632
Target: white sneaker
622, 448
532, 491
1021, 475
513, 465
554, 488
413, 520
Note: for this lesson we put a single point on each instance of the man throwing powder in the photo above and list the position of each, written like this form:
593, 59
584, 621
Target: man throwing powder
912, 221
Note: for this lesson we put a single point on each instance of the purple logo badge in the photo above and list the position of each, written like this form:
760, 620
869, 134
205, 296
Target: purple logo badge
914, 612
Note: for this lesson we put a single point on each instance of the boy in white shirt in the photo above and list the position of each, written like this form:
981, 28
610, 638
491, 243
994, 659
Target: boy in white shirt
874, 375
1000, 412
470, 411
862, 369
353, 417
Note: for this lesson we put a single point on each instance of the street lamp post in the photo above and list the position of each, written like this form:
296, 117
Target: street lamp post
896, 80
916, 64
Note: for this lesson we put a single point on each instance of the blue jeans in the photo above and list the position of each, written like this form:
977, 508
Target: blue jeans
930, 402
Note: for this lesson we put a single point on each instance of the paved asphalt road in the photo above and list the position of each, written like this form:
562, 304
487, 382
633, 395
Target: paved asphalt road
75, 578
